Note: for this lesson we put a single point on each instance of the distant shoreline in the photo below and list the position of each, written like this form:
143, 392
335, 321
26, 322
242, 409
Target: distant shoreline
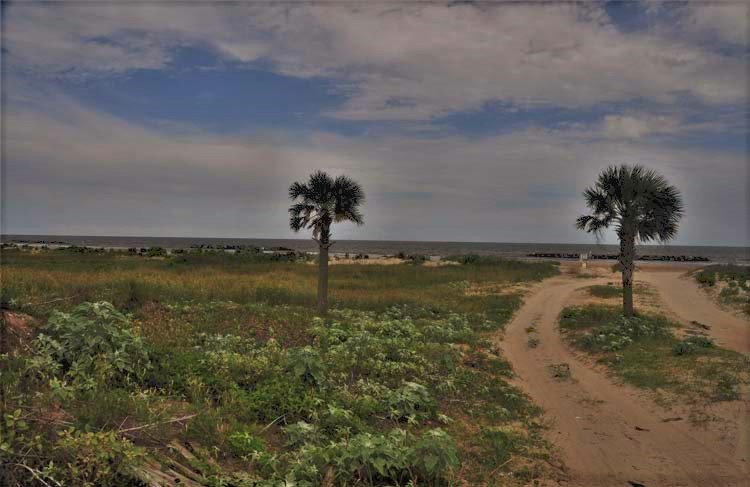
71, 239
377, 248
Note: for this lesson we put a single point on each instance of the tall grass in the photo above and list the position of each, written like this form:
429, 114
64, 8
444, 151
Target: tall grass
30, 280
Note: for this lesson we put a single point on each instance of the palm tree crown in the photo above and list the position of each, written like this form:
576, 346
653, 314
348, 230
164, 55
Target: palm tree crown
324, 200
635, 201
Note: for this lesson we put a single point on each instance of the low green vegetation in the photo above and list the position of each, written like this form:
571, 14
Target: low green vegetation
645, 352
560, 371
734, 283
585, 275
609, 290
605, 291
216, 370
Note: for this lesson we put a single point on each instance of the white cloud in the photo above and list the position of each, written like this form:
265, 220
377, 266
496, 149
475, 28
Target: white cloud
724, 21
397, 61
67, 164
635, 127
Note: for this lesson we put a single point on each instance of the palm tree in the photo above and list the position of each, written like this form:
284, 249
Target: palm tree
641, 205
320, 202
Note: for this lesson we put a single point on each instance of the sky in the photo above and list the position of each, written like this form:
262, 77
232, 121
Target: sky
463, 121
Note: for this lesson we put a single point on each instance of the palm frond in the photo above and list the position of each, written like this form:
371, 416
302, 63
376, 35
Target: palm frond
349, 196
323, 201
592, 224
633, 198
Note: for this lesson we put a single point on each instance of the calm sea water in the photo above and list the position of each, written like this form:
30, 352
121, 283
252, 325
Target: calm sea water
740, 255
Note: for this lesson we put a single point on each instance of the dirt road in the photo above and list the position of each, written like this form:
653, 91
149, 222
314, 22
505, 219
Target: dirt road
687, 302
609, 434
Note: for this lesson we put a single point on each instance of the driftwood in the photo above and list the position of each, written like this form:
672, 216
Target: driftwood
170, 472
155, 475
151, 425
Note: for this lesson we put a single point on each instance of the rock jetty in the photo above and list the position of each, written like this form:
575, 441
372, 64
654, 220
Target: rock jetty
660, 258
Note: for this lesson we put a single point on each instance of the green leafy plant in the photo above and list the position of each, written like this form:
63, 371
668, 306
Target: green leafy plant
434, 455
243, 444
306, 364
97, 458
612, 331
94, 344
692, 345
410, 401
706, 278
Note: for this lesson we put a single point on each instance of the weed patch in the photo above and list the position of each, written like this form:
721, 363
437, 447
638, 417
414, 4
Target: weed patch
644, 352
222, 358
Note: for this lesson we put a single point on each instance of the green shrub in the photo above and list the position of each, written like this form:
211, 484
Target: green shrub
96, 458
434, 455
154, 252
135, 296
306, 364
706, 277
374, 457
409, 402
275, 397
243, 444
729, 272
729, 292
382, 459
93, 345
692, 345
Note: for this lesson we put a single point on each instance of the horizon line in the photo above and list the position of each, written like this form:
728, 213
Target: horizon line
4, 235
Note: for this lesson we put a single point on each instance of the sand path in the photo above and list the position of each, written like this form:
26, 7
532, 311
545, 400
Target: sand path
687, 302
609, 434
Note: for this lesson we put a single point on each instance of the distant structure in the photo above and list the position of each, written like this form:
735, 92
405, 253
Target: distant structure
583, 257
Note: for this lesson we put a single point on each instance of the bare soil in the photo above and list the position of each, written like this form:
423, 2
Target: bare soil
611, 434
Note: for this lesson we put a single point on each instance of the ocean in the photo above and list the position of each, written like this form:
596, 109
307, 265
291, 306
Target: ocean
737, 255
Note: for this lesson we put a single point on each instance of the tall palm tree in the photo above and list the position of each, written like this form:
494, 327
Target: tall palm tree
641, 205
319, 203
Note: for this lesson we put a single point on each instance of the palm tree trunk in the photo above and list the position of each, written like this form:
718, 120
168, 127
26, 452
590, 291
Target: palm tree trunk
323, 277
627, 261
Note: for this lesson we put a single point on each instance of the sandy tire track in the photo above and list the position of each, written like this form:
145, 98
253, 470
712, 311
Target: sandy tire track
594, 420
687, 302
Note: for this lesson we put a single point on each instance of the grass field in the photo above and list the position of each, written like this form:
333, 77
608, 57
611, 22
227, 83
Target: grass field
645, 352
215, 369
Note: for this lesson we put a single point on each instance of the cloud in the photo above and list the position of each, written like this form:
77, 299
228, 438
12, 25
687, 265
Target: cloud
724, 22
633, 127
73, 169
86, 40
398, 61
